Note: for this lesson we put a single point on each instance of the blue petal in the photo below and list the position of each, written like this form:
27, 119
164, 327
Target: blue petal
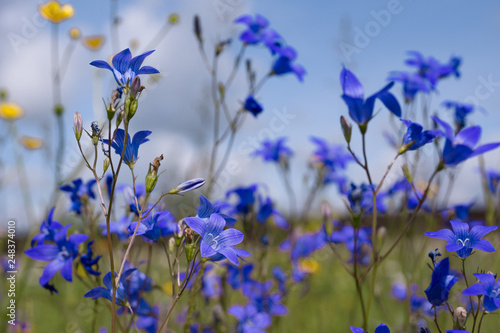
50, 270
230, 237
206, 250
101, 64
136, 62
197, 224
78, 239
484, 245
121, 60
98, 292
448, 131
229, 253
475, 289
382, 328
484, 148
456, 154
238, 311
468, 137
350, 84
67, 270
356, 110
43, 252
487, 280
357, 330
148, 70
215, 225
459, 228
445, 234
390, 102
480, 231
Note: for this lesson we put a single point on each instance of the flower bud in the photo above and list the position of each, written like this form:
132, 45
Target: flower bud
188, 186
405, 147
190, 251
96, 133
131, 107
152, 176
171, 245
406, 172
105, 164
119, 118
136, 87
459, 318
197, 29
78, 123
346, 129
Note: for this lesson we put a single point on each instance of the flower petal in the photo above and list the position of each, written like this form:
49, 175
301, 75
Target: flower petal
136, 62
230, 237
215, 225
45, 252
67, 270
475, 289
197, 224
445, 234
50, 270
206, 250
121, 60
230, 254
351, 85
459, 228
484, 245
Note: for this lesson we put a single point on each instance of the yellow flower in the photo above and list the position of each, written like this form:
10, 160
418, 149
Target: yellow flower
31, 143
93, 43
54, 12
75, 33
11, 111
173, 18
308, 265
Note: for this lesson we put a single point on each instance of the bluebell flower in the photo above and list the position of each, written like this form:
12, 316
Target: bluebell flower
274, 151
361, 110
416, 134
433, 70
252, 106
331, 155
462, 110
493, 179
79, 192
132, 149
442, 281
119, 228
382, 328
285, 63
413, 83
48, 229
211, 284
125, 68
345, 235
131, 196
149, 323
488, 288
256, 28
308, 243
87, 260
206, 209
107, 291
281, 277
361, 199
215, 240
461, 240
250, 319
135, 285
246, 197
462, 146
150, 226
60, 255
238, 276
266, 210
259, 294
399, 291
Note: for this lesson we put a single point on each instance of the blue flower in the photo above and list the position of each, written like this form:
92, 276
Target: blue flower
119, 228
150, 226
259, 295
79, 192
462, 110
412, 84
60, 255
206, 209
188, 185
285, 63
361, 110
431, 69
416, 133
488, 288
346, 236
237, 277
246, 196
132, 149
308, 243
274, 151
493, 179
266, 210
121, 294
382, 328
442, 281
256, 28
462, 240
331, 155
125, 68
281, 277
460, 147
87, 260
250, 319
252, 106
215, 240
48, 229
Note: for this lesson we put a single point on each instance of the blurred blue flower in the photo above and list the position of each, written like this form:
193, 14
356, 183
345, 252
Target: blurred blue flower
250, 319
60, 255
119, 228
256, 27
461, 240
246, 198
259, 294
442, 281
382, 328
121, 294
87, 260
493, 179
361, 110
132, 149
48, 229
266, 210
345, 235
125, 68
460, 147
280, 276
78, 192
238, 276
488, 288
150, 227
285, 63
416, 133
274, 151
412, 84
252, 106
431, 69
215, 240
462, 110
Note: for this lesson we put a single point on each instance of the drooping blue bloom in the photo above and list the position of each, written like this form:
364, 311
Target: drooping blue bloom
252, 106
461, 240
266, 210
259, 294
132, 149
433, 70
87, 260
215, 240
345, 235
285, 63
462, 110
462, 146
416, 133
60, 255
107, 293
246, 198
48, 229
493, 179
256, 28
125, 68
413, 83
79, 191
119, 228
206, 209
488, 288
442, 281
274, 151
250, 319
382, 328
361, 110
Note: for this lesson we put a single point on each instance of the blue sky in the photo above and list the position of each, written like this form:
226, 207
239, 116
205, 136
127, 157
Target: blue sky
174, 108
